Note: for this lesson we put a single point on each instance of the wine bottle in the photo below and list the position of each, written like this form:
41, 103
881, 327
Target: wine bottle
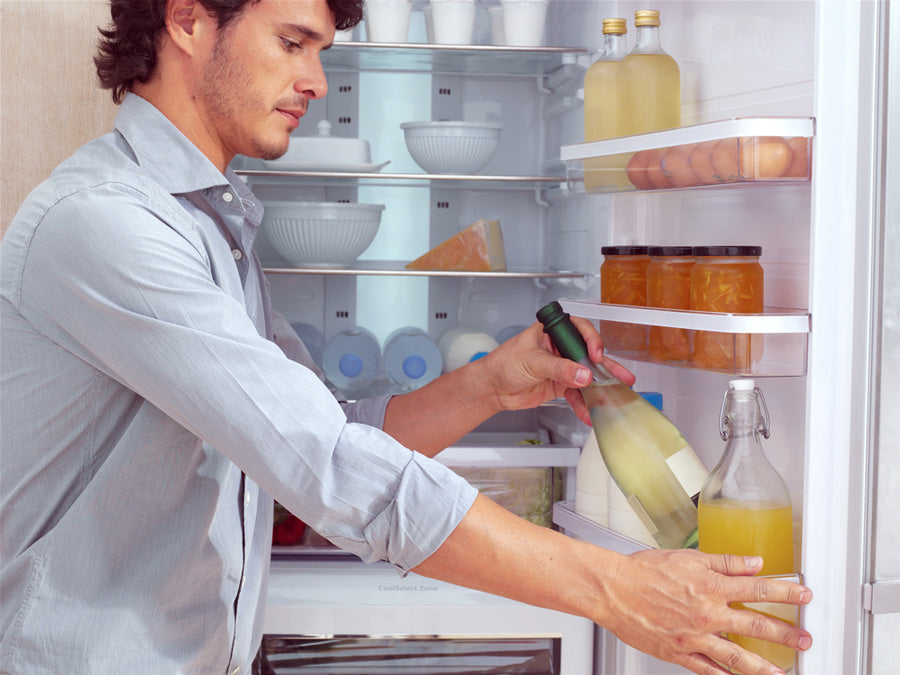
636, 441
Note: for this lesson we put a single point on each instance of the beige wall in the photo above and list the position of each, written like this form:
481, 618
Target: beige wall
50, 103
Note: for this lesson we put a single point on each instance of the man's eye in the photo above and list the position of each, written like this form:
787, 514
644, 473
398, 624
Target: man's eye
290, 45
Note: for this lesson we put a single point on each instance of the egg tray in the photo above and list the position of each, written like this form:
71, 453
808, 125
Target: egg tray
724, 161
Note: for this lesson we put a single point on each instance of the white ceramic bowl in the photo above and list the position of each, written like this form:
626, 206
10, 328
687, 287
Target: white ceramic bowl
321, 234
452, 147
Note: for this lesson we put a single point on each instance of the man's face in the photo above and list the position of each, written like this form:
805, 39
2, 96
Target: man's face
262, 72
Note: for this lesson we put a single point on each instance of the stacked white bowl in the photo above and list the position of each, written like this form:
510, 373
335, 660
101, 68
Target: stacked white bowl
321, 234
452, 147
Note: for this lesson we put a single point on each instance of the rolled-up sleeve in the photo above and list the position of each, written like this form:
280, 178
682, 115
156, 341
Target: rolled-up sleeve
140, 298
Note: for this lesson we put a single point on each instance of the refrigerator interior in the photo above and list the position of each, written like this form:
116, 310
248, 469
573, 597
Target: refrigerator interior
738, 59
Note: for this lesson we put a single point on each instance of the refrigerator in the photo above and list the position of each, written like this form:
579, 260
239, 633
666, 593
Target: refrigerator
823, 70
826, 70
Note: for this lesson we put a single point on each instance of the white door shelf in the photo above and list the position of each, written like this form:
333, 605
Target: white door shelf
771, 344
726, 153
574, 524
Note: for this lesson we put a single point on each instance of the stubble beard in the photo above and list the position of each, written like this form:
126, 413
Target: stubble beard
229, 94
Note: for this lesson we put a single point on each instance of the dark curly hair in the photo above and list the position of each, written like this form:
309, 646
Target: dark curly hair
127, 50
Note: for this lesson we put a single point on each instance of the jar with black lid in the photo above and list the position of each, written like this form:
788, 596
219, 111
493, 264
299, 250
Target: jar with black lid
623, 281
726, 279
669, 287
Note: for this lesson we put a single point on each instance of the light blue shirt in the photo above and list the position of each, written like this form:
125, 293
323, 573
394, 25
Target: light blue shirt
152, 407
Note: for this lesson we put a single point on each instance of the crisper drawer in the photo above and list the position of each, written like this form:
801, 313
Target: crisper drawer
365, 618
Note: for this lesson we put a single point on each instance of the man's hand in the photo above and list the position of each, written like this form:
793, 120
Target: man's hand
523, 372
674, 605
526, 370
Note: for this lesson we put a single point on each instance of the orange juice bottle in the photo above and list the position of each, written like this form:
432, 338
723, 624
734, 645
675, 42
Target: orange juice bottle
745, 506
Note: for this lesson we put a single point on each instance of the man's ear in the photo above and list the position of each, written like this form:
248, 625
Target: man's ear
186, 20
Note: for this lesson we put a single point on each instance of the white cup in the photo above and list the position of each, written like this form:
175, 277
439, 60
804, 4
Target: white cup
498, 36
429, 24
454, 21
387, 20
523, 22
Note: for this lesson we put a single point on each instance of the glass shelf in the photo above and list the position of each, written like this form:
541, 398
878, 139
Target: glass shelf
771, 344
506, 450
574, 524
726, 153
397, 268
460, 181
448, 59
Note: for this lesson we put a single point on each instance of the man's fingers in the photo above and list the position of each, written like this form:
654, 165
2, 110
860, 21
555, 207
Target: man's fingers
763, 627
735, 565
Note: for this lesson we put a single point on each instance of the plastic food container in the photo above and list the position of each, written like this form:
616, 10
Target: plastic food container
526, 491
623, 281
669, 287
726, 279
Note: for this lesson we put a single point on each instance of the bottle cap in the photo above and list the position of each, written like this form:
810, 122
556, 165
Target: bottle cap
669, 250
414, 366
623, 250
742, 385
562, 331
646, 17
614, 27
727, 250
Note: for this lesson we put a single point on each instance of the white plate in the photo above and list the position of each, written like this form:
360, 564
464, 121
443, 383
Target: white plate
342, 167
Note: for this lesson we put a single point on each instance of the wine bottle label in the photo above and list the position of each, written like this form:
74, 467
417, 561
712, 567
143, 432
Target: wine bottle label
689, 470
641, 512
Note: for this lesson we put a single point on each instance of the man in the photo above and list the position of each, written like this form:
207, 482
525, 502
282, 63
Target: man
153, 405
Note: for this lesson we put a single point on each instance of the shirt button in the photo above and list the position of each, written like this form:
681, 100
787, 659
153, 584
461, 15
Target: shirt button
247, 498
227, 196
236, 254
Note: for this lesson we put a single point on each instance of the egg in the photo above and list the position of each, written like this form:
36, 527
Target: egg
765, 156
700, 160
655, 172
676, 166
799, 166
637, 170
724, 157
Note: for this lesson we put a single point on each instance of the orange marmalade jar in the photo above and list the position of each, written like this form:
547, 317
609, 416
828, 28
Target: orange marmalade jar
669, 287
726, 279
623, 281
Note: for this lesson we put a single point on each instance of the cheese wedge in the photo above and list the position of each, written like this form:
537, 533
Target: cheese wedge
478, 248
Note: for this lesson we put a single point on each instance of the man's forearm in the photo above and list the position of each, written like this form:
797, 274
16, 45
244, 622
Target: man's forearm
440, 413
495, 551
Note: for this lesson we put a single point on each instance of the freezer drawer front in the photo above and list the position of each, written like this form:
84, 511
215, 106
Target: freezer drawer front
347, 598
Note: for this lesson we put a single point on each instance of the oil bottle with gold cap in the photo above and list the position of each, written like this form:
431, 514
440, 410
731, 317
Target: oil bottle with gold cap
649, 81
601, 107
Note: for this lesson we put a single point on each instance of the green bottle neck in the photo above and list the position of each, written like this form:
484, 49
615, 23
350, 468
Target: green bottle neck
568, 341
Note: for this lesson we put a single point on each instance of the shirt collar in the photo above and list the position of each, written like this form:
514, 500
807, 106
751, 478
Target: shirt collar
162, 150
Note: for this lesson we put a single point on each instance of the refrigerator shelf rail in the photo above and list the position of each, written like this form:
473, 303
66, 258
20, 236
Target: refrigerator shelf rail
574, 524
449, 59
726, 153
459, 181
395, 268
772, 344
